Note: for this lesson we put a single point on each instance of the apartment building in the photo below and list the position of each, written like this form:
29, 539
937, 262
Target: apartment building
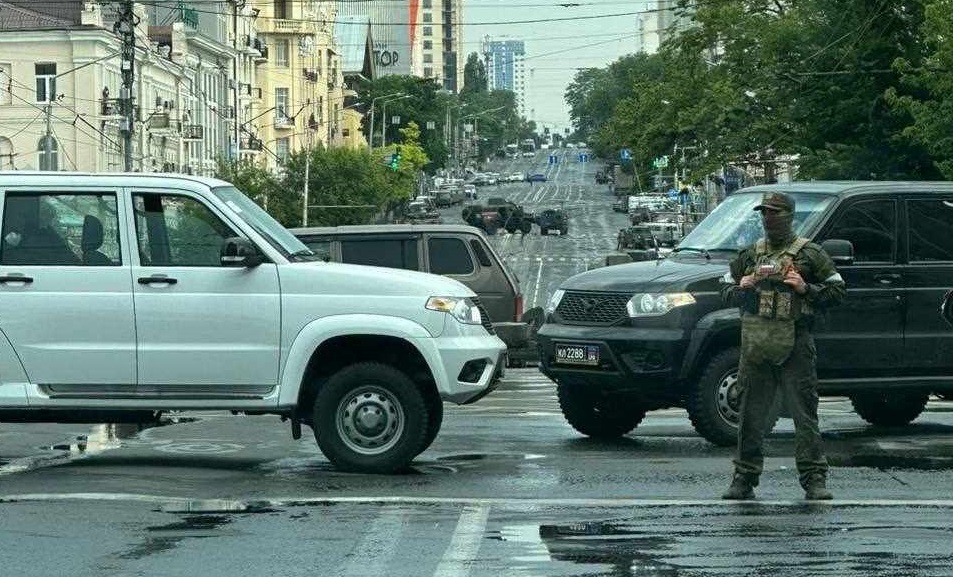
505, 68
226, 80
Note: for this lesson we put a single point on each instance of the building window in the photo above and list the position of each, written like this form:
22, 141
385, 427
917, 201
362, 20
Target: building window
428, 58
50, 162
428, 4
281, 53
281, 105
428, 72
428, 17
428, 44
428, 31
283, 149
281, 9
45, 82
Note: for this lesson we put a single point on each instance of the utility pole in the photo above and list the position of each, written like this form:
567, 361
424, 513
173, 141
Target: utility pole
48, 141
307, 177
126, 27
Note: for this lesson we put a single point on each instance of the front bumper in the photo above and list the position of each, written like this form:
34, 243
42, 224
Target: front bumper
645, 360
467, 368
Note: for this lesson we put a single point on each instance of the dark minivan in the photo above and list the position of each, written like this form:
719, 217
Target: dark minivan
457, 251
626, 339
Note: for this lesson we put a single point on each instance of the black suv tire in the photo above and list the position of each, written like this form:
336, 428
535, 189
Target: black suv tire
889, 409
715, 402
596, 415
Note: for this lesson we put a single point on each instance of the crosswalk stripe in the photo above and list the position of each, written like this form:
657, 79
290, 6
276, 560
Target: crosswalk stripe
465, 542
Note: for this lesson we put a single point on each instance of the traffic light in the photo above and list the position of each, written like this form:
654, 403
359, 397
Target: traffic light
395, 159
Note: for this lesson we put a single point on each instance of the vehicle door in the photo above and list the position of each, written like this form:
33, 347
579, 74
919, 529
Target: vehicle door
204, 330
398, 250
864, 334
467, 260
928, 275
66, 303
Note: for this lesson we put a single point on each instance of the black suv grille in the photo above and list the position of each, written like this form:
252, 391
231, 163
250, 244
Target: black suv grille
594, 309
484, 316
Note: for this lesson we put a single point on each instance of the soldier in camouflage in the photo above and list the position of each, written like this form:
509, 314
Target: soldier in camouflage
779, 283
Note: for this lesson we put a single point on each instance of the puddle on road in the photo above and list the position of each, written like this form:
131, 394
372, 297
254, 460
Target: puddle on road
456, 463
106, 436
893, 462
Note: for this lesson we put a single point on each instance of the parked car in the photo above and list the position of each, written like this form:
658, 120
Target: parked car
457, 251
623, 340
418, 213
537, 177
123, 296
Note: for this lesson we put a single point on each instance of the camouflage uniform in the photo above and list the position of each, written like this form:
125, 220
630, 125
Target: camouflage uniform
778, 350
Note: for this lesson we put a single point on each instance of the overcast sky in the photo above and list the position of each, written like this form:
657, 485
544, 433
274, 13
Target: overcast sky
554, 49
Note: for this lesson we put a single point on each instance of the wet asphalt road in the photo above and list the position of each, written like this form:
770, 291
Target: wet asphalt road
506, 489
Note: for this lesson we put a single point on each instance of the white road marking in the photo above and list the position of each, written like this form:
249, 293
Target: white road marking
373, 553
539, 275
239, 505
464, 544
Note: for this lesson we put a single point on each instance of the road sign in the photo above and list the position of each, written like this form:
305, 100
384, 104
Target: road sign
553, 159
660, 162
583, 158
625, 154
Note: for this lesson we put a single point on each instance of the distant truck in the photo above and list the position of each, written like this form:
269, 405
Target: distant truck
623, 182
498, 213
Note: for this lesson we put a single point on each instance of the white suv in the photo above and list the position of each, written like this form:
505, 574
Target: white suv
126, 295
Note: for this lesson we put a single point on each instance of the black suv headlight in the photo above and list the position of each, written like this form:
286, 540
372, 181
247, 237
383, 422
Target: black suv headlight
656, 304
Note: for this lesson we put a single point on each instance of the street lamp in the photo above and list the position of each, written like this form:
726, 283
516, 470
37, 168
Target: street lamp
384, 114
373, 101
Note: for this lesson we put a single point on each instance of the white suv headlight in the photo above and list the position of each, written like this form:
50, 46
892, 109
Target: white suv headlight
654, 304
554, 301
461, 308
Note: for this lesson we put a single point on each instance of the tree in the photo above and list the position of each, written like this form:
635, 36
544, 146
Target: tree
474, 75
263, 187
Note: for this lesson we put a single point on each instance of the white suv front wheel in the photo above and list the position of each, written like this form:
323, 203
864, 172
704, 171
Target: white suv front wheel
370, 418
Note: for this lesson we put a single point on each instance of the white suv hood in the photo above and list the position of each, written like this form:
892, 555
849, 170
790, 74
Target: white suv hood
357, 280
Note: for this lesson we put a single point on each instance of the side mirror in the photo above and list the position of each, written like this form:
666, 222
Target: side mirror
840, 251
946, 308
240, 252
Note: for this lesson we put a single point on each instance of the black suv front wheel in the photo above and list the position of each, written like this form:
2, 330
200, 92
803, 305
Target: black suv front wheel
714, 403
889, 409
598, 415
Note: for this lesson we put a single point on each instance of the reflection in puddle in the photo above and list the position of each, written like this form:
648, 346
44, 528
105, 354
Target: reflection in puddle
106, 436
166, 537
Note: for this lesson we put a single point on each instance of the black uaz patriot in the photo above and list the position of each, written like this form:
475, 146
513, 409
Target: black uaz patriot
623, 340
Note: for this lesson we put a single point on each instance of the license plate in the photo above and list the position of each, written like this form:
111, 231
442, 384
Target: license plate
577, 354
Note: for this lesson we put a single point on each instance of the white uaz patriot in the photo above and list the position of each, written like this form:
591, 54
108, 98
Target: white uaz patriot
126, 295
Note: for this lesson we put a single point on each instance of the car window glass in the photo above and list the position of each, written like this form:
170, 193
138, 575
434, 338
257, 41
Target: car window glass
480, 253
871, 227
930, 224
320, 248
176, 230
60, 229
391, 253
449, 256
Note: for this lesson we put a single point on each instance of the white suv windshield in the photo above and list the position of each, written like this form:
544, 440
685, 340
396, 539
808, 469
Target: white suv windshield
263, 223
734, 224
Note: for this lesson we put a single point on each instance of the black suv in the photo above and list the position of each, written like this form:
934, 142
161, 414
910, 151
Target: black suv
552, 219
623, 340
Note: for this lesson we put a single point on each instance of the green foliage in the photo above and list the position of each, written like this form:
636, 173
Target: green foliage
474, 75
851, 89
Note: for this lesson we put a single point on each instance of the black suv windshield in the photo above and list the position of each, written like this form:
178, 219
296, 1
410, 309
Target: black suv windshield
734, 224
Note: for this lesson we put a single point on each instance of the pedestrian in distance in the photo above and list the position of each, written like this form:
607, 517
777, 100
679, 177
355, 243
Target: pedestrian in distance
779, 284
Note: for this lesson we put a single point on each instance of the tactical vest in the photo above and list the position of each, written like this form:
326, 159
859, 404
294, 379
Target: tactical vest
768, 327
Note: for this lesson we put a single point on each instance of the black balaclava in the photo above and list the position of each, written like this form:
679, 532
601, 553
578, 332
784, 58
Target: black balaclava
778, 227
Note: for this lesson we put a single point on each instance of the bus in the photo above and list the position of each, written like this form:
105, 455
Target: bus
512, 150
528, 147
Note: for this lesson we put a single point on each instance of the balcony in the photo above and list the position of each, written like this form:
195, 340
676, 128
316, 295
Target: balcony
193, 132
283, 122
310, 74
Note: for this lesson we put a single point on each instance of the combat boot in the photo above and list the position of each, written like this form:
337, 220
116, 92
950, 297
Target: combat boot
815, 489
741, 489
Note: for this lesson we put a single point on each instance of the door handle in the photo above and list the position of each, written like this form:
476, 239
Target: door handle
887, 278
15, 278
157, 279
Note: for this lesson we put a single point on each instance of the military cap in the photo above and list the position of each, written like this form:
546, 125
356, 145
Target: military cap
776, 201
